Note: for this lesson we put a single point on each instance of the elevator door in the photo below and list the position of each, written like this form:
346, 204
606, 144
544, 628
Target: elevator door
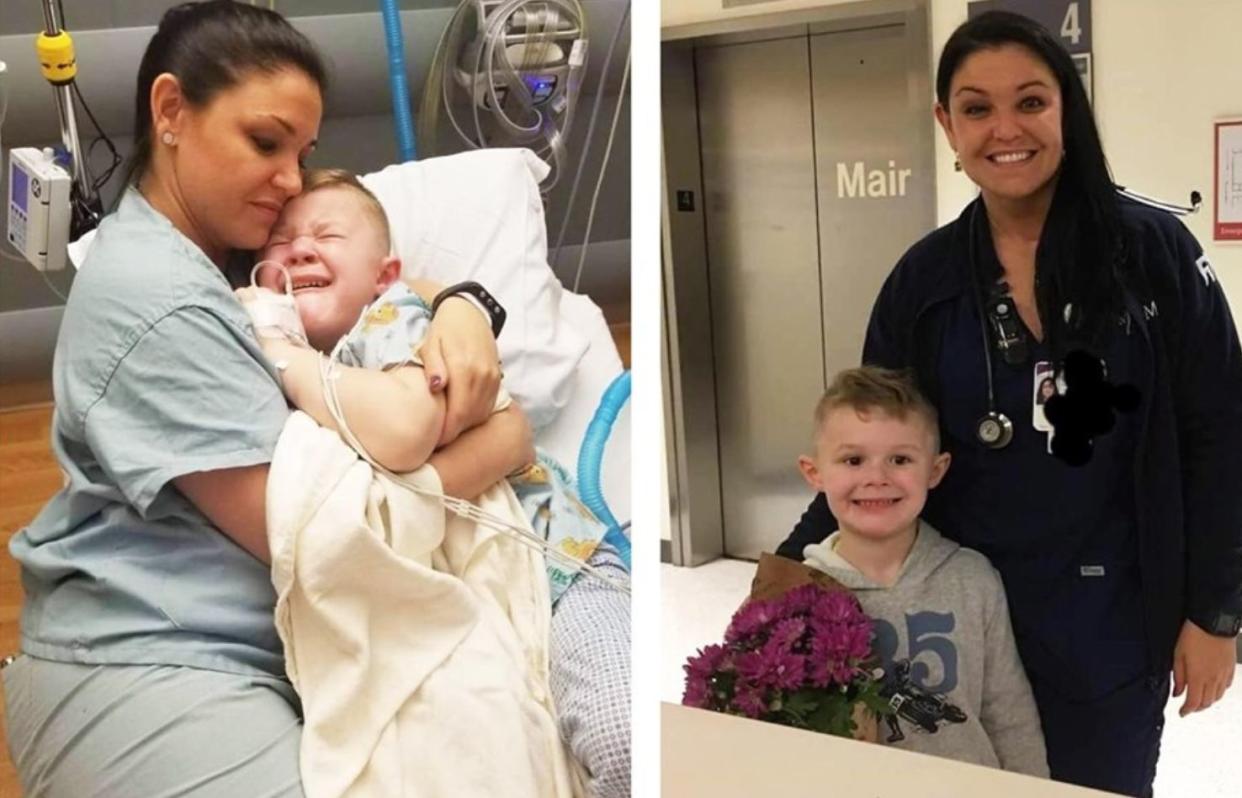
876, 195
763, 272
816, 176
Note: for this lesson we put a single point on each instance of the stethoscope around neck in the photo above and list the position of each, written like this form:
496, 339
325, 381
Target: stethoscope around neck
995, 429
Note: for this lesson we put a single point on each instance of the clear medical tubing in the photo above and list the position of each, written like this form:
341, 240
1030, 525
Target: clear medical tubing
396, 78
486, 58
328, 374
586, 142
591, 458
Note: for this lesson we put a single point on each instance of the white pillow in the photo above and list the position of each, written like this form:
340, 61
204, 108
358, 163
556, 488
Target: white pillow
478, 216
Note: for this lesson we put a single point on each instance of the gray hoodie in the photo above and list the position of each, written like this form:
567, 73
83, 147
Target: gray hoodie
951, 664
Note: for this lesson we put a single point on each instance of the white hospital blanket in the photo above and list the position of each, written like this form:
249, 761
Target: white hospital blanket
416, 640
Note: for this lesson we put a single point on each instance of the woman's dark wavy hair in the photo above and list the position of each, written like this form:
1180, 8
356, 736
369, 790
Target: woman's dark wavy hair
209, 47
1089, 237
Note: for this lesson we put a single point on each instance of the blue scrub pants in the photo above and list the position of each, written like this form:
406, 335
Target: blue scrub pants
1111, 743
158, 731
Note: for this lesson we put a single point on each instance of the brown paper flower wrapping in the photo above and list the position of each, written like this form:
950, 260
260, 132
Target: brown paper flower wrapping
777, 575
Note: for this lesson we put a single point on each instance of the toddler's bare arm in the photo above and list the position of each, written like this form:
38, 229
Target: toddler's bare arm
483, 455
394, 415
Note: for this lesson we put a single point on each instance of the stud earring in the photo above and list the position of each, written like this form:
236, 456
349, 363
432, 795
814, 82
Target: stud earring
168, 138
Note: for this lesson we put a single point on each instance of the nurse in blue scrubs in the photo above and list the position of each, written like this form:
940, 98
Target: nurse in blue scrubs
1124, 572
150, 661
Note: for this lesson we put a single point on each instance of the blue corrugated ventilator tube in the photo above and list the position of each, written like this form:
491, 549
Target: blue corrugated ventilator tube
591, 458
396, 78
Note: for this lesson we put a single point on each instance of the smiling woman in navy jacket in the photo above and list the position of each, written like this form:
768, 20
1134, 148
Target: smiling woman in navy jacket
1127, 567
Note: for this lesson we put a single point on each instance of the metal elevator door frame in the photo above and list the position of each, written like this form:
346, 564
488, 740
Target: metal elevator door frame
703, 317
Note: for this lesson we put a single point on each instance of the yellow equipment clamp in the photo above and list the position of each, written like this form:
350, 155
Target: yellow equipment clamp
56, 57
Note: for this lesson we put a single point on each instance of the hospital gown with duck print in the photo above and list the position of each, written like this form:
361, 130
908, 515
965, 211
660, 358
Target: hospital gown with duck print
389, 334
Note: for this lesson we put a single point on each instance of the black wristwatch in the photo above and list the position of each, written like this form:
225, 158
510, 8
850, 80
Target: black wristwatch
485, 300
1221, 624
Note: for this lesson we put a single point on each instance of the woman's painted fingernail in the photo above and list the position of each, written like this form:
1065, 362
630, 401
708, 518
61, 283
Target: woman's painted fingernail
436, 382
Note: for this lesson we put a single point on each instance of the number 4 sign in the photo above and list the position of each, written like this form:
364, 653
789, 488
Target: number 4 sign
1071, 28
1068, 19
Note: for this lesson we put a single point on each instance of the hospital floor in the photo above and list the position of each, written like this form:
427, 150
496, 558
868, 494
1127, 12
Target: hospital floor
1198, 755
28, 476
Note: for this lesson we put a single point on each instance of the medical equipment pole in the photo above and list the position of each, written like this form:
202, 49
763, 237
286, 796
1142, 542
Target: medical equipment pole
4, 106
59, 66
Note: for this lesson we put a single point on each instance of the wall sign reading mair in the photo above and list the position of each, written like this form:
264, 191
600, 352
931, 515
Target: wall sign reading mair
1068, 19
856, 180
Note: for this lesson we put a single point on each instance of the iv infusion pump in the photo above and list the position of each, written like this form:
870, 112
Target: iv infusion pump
38, 207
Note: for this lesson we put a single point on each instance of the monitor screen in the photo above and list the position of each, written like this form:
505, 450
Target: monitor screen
19, 187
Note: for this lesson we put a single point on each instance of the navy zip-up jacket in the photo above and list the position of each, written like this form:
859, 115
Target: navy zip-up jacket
1188, 481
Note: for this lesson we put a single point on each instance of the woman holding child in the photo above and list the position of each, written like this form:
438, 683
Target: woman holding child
1128, 567
151, 663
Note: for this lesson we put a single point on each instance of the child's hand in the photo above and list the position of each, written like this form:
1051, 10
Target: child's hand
1203, 666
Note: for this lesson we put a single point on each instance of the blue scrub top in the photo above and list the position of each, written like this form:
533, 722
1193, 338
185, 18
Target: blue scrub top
1068, 553
157, 374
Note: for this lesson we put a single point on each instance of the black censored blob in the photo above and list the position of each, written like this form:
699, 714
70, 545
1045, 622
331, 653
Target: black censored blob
1086, 409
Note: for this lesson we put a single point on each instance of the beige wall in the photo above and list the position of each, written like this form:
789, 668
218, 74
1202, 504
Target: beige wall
692, 12
1164, 71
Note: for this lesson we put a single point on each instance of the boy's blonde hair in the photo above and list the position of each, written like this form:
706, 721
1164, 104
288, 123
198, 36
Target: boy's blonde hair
319, 179
868, 388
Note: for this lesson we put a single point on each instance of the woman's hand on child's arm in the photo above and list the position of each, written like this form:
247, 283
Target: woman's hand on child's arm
460, 357
1203, 666
392, 413
485, 454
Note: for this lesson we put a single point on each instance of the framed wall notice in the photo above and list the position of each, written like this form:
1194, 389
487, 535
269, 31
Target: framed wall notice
1227, 225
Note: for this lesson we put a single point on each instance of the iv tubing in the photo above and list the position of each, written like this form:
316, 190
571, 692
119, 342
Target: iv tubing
328, 374
603, 167
586, 141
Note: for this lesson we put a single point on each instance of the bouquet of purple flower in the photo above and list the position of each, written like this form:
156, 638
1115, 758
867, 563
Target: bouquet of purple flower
803, 659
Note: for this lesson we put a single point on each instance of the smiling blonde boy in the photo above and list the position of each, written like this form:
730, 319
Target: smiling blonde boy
943, 634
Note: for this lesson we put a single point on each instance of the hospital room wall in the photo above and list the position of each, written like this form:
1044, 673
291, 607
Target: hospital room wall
1164, 72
